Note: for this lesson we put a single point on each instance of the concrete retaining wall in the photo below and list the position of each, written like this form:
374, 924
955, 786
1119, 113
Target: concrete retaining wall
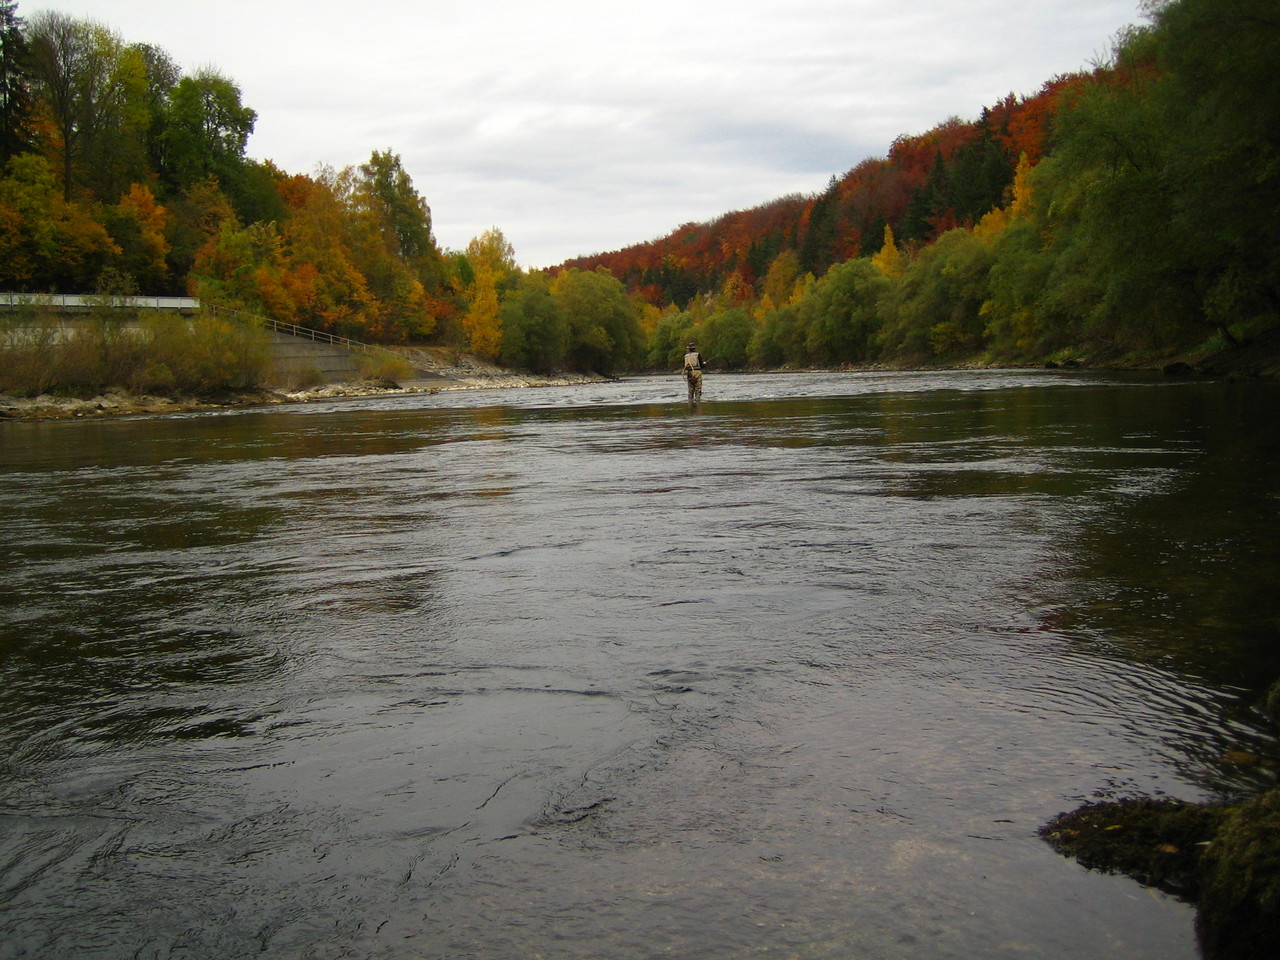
306, 360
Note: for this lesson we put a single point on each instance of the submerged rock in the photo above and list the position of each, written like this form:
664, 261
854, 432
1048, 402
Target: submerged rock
1156, 842
1225, 859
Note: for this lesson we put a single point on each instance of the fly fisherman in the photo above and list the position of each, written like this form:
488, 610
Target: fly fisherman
693, 366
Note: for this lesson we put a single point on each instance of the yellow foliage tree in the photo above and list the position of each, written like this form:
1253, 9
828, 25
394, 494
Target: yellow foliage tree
493, 262
889, 259
1020, 205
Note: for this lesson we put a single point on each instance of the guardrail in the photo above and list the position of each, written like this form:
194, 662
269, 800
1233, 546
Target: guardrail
304, 333
79, 301
73, 302
316, 336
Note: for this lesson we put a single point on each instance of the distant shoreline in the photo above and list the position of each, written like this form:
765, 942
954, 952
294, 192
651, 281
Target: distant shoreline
1260, 358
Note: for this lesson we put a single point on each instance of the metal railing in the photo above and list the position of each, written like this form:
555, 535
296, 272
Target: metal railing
78, 301
316, 336
294, 330
74, 302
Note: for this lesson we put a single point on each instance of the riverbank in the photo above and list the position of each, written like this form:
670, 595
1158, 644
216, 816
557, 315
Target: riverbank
448, 370
457, 373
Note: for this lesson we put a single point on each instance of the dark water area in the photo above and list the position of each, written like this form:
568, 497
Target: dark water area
586, 673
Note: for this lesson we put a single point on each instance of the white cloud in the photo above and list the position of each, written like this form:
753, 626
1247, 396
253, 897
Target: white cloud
577, 127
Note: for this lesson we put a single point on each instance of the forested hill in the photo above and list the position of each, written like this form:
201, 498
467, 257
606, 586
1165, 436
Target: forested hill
1127, 211
949, 177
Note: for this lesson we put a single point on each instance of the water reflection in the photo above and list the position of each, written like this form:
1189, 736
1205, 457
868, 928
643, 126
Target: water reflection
1177, 567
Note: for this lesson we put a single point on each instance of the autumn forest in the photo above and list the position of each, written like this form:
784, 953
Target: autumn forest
1125, 211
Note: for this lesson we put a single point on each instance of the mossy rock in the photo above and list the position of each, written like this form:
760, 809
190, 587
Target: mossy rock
1156, 842
1239, 899
1271, 705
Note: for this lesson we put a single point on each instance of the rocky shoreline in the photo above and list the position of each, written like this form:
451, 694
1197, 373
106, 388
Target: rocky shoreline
120, 403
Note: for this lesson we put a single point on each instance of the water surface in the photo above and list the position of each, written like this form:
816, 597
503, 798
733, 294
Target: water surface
583, 672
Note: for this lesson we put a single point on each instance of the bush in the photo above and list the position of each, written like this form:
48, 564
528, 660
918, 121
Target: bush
295, 375
384, 366
203, 356
28, 353
40, 353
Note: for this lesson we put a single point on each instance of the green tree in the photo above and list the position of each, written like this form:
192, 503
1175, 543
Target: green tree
1109, 187
15, 78
206, 130
1045, 285
396, 223
82, 78
840, 312
928, 205
160, 75
259, 192
725, 339
1014, 312
604, 332
1166, 179
384, 187
1219, 106
778, 340
936, 307
818, 244
979, 175
534, 333
667, 342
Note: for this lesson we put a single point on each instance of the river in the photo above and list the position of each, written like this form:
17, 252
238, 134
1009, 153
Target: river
584, 672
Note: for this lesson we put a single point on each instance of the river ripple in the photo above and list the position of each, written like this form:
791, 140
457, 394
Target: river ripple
582, 672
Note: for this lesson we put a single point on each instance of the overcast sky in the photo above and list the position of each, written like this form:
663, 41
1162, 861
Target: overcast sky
579, 126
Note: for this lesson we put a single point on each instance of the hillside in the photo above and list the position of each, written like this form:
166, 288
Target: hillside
948, 177
1125, 214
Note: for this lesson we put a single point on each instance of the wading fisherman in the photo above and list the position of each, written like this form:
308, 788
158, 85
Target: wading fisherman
693, 364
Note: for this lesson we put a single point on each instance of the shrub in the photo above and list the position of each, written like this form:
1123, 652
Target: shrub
41, 353
384, 366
